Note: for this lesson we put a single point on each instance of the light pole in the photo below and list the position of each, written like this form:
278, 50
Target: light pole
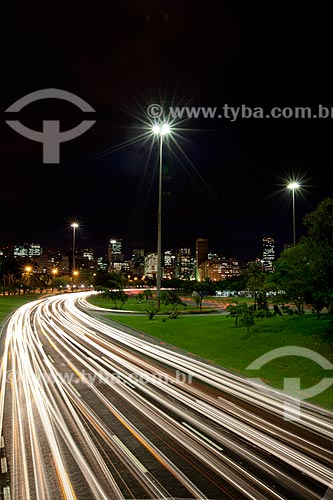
161, 130
28, 270
75, 273
54, 272
293, 186
74, 225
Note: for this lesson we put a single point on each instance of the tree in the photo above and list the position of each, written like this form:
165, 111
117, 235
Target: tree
145, 295
236, 311
115, 281
111, 285
197, 298
116, 296
140, 297
319, 300
255, 279
319, 242
43, 281
151, 311
233, 284
87, 277
242, 313
101, 279
203, 289
305, 271
292, 274
172, 298
246, 319
177, 284
148, 294
60, 282
11, 274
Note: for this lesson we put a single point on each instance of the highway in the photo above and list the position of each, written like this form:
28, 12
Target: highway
89, 411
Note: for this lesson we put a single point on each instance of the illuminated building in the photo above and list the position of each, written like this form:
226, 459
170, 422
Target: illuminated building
268, 253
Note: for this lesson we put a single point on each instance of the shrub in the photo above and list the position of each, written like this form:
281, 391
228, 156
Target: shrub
263, 314
151, 311
287, 310
247, 319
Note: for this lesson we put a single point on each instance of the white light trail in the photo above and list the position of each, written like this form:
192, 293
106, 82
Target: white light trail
57, 360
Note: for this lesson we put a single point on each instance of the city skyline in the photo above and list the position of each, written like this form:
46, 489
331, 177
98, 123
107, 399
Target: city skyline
181, 263
227, 181
30, 249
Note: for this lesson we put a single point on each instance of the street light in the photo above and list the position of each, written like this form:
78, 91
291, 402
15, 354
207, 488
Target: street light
74, 225
54, 272
160, 130
293, 186
75, 273
28, 270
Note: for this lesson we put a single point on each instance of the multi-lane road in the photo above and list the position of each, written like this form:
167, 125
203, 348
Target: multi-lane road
91, 411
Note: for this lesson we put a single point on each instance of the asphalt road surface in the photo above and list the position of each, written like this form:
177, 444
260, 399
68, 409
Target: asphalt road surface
89, 410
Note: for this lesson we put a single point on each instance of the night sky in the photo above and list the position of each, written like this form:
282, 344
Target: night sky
229, 184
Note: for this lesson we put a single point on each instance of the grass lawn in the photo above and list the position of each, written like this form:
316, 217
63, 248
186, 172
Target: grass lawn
217, 339
9, 303
133, 304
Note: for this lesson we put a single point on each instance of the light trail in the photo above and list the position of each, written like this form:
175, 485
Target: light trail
92, 410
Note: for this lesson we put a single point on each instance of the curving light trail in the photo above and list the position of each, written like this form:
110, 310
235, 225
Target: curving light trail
91, 411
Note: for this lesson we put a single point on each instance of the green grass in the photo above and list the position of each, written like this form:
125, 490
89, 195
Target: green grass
9, 303
217, 339
133, 304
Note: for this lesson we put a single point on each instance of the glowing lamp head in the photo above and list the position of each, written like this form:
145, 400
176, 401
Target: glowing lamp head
165, 129
293, 185
74, 225
156, 129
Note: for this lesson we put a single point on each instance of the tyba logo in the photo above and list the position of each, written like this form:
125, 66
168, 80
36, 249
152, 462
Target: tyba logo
51, 137
291, 385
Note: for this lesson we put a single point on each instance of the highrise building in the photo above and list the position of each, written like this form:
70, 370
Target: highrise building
6, 252
88, 253
138, 254
102, 264
115, 254
201, 254
137, 263
115, 246
169, 264
85, 259
184, 263
219, 269
268, 253
28, 250
151, 265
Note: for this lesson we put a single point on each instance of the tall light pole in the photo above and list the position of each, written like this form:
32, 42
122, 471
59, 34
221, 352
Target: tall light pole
54, 272
28, 270
161, 130
74, 225
293, 186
